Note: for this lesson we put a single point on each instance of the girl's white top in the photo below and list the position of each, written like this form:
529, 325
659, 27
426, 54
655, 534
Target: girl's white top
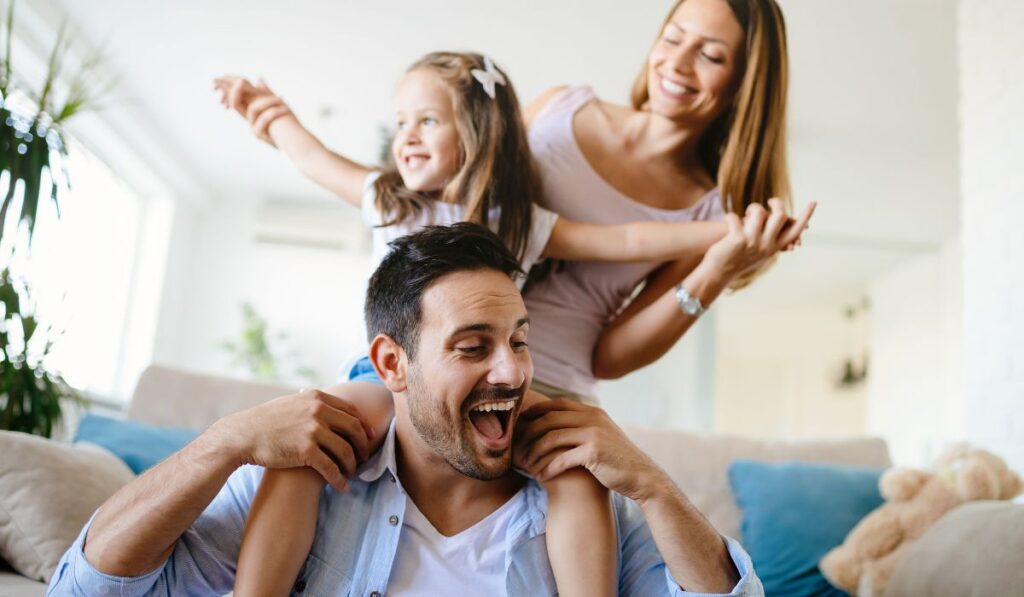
444, 214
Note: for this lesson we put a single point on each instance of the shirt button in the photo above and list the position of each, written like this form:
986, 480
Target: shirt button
393, 520
300, 586
391, 477
375, 594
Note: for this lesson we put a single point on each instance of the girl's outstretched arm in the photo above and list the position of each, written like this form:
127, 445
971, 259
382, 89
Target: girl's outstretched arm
273, 121
282, 521
633, 241
581, 538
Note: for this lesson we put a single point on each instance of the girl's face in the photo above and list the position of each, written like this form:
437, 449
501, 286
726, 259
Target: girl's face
693, 67
426, 145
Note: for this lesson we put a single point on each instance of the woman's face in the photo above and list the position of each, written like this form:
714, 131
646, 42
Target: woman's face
694, 67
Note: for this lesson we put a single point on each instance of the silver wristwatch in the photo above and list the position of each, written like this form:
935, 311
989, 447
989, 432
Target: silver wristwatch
689, 304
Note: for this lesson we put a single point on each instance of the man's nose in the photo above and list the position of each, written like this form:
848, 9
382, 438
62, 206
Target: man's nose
507, 369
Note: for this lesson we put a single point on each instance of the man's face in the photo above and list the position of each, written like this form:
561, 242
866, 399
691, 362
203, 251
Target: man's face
466, 383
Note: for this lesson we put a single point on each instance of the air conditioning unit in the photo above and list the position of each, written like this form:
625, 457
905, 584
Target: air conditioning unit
311, 225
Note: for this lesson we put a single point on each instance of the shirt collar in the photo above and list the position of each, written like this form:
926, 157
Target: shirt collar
383, 461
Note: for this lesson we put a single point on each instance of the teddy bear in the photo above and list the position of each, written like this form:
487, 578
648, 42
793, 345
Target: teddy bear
915, 499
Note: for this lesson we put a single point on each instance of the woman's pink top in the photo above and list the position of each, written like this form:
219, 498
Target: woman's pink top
569, 309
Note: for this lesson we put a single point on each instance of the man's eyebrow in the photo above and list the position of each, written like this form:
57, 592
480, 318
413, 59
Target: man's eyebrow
704, 37
486, 327
474, 327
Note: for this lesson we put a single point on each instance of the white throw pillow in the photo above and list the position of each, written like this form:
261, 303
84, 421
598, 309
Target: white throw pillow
48, 491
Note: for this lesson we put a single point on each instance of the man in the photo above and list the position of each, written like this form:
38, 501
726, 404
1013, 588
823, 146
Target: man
448, 329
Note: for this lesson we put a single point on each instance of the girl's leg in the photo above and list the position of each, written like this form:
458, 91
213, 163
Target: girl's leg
282, 521
581, 539
278, 532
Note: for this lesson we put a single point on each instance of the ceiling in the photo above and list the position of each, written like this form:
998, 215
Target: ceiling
873, 104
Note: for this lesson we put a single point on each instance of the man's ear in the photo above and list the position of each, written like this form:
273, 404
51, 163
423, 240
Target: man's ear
390, 362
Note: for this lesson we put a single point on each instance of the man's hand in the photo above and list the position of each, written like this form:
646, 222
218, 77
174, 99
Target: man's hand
311, 428
558, 435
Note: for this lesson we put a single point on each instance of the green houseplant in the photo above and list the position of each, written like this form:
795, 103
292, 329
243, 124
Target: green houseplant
32, 154
30, 395
254, 352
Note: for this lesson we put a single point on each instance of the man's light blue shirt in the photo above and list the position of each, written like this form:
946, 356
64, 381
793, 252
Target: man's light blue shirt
356, 542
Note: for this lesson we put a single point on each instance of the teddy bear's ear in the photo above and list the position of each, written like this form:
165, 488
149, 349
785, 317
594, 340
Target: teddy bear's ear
900, 484
1011, 484
976, 480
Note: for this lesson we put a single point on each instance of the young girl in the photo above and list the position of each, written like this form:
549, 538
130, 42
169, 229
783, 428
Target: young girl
460, 153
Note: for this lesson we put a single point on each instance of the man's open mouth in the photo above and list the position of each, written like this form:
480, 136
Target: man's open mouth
491, 420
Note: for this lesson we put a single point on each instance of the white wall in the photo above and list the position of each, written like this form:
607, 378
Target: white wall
992, 186
313, 294
777, 369
915, 398
678, 391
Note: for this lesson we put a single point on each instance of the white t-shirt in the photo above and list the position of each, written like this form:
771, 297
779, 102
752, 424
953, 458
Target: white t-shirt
443, 214
428, 564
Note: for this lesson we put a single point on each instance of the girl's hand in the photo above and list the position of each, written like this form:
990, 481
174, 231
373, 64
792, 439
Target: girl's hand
263, 110
236, 92
757, 238
256, 103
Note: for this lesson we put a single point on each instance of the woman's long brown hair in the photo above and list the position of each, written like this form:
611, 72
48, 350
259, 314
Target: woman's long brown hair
497, 168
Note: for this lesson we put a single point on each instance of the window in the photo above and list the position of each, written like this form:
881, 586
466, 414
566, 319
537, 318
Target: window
81, 270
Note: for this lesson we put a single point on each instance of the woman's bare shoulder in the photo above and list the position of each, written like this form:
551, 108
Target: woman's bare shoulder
537, 105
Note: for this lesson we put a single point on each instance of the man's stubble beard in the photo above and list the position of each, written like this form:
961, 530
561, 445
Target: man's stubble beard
452, 440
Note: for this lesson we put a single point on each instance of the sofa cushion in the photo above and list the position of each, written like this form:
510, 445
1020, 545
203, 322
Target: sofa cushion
139, 445
13, 584
48, 490
793, 513
698, 462
175, 398
975, 549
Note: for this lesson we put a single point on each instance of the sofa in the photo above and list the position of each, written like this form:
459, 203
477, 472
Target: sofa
698, 462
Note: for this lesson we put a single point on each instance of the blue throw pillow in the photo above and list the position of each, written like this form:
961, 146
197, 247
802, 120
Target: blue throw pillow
794, 513
139, 445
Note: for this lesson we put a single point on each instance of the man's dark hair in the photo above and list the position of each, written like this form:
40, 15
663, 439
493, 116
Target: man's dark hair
394, 299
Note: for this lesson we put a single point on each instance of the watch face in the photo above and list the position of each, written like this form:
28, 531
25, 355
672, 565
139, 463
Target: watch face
689, 304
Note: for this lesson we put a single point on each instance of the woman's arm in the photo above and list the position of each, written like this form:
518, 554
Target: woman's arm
273, 121
634, 241
653, 322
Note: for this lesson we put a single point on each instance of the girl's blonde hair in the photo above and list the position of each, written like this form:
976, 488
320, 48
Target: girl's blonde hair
496, 165
745, 148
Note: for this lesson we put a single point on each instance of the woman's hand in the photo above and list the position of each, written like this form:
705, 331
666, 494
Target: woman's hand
758, 237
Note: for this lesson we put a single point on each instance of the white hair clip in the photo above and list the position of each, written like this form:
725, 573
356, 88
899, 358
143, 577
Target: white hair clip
489, 77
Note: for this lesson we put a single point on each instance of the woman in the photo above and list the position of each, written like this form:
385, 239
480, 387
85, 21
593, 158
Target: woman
703, 139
